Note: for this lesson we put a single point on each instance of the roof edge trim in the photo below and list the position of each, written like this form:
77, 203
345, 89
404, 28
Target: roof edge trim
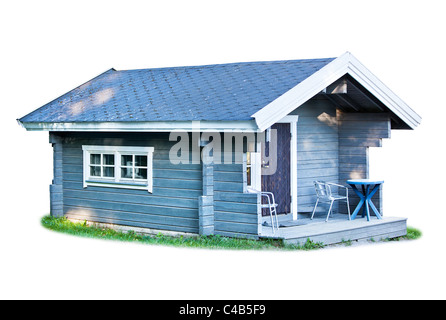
59, 97
322, 78
153, 126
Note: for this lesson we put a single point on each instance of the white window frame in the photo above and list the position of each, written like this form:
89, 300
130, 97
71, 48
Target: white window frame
118, 181
101, 165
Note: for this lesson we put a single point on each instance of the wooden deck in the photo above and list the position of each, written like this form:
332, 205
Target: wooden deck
336, 230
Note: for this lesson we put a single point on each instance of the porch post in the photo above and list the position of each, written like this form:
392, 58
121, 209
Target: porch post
293, 166
56, 190
206, 201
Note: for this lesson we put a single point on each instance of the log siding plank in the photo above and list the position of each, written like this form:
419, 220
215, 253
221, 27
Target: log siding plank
173, 205
236, 213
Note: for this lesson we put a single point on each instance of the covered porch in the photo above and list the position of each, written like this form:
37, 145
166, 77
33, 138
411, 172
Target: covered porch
329, 141
338, 228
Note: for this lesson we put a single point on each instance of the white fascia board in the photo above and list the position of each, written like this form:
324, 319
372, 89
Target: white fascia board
321, 79
370, 82
165, 126
295, 97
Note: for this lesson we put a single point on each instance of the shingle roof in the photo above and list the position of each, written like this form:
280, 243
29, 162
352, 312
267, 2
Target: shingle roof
213, 92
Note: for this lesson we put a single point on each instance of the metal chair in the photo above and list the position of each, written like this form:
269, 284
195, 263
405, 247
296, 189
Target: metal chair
325, 194
271, 205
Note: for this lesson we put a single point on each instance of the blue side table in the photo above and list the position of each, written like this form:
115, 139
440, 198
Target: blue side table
369, 188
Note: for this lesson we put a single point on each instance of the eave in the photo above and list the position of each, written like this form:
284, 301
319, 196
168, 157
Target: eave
153, 126
345, 64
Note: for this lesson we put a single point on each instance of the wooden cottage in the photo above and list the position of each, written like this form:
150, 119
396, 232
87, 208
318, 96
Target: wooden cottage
189, 149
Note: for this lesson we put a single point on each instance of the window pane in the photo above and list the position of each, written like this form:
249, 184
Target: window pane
126, 173
248, 157
140, 173
95, 158
141, 161
109, 159
109, 172
95, 171
127, 161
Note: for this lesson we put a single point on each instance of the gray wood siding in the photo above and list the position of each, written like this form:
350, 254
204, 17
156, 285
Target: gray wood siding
333, 146
173, 205
236, 213
206, 201
358, 132
56, 188
317, 150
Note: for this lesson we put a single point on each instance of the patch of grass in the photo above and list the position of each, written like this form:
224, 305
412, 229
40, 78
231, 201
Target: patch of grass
210, 242
412, 234
309, 245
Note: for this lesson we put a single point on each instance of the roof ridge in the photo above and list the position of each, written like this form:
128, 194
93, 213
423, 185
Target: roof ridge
228, 64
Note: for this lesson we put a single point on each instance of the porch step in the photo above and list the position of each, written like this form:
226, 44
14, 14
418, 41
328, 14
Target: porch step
340, 230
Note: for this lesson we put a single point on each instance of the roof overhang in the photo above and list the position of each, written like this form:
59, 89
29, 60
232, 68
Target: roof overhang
345, 64
153, 126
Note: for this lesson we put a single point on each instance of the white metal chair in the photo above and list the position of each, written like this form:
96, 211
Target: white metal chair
325, 194
271, 205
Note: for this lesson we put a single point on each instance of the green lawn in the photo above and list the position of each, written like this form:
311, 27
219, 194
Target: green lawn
208, 242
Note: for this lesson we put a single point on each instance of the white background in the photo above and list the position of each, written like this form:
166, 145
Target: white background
49, 47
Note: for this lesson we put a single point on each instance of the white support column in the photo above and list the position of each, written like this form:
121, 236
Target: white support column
293, 168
